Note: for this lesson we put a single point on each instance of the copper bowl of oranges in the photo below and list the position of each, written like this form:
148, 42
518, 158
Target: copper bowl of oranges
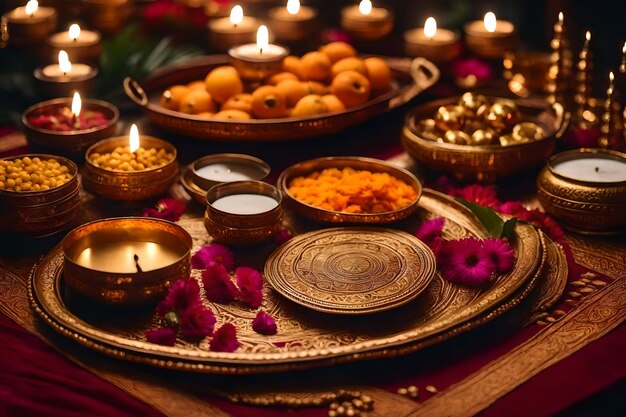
320, 93
478, 138
39, 194
345, 189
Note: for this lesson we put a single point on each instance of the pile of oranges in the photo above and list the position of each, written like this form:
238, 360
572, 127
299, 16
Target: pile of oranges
328, 80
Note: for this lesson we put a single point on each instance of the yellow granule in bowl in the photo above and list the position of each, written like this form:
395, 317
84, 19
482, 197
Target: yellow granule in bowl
349, 190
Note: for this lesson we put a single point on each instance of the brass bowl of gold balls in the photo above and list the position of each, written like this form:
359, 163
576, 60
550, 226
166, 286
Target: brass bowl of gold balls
480, 138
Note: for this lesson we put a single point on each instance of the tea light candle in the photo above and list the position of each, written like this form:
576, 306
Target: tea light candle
256, 62
119, 256
30, 24
237, 29
366, 22
592, 168
490, 38
293, 22
245, 204
436, 44
80, 44
64, 78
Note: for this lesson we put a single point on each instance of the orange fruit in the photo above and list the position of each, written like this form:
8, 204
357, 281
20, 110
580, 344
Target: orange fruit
293, 91
281, 76
205, 115
310, 105
336, 51
197, 85
333, 103
197, 101
292, 64
241, 102
223, 82
317, 88
232, 114
378, 72
349, 64
315, 66
352, 88
268, 103
170, 99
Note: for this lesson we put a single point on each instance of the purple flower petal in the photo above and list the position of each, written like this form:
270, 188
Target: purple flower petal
197, 322
214, 253
217, 284
182, 294
250, 282
264, 324
225, 339
464, 261
501, 252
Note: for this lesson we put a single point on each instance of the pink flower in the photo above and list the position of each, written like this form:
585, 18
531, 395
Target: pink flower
163, 336
217, 284
501, 252
430, 231
182, 294
225, 339
250, 282
197, 322
464, 261
580, 137
463, 68
536, 217
166, 209
478, 194
282, 236
214, 253
263, 323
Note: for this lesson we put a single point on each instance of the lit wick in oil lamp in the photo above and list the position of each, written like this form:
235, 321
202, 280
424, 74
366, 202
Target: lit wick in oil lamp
130, 168
30, 24
490, 38
293, 23
366, 22
65, 77
227, 32
257, 61
436, 44
82, 45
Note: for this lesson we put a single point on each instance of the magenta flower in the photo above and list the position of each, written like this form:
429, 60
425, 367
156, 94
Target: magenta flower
282, 236
263, 323
580, 137
464, 261
166, 209
182, 294
197, 322
250, 282
217, 284
477, 194
214, 253
501, 252
536, 217
463, 68
225, 339
162, 336
430, 231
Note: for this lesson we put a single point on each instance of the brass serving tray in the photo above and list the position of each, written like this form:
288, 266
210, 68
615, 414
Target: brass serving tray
305, 338
412, 77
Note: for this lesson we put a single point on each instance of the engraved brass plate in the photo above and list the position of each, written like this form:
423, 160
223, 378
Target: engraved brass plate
351, 270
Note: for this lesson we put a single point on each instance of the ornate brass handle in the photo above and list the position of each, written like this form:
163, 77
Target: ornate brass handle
424, 73
134, 91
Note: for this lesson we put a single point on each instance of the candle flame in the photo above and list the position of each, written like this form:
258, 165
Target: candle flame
611, 77
236, 15
588, 36
262, 38
561, 17
430, 27
64, 62
490, 22
74, 31
76, 104
624, 48
133, 138
31, 7
365, 7
293, 7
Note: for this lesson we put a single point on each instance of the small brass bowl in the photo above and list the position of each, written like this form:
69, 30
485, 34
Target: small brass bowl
358, 163
40, 213
242, 229
29, 32
222, 35
366, 28
74, 143
489, 45
86, 52
64, 87
92, 275
484, 163
129, 185
107, 16
293, 28
583, 206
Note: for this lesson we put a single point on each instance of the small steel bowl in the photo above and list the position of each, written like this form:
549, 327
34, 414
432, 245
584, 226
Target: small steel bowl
595, 208
129, 185
358, 163
129, 288
242, 229
71, 144
488, 162
40, 213
261, 168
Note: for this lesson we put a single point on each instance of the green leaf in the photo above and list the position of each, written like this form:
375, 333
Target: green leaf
508, 229
492, 222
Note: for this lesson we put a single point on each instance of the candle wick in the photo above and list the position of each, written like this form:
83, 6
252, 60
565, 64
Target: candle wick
260, 51
235, 25
136, 258
76, 124
597, 169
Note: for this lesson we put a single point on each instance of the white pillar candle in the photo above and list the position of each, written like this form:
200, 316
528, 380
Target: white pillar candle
229, 172
245, 204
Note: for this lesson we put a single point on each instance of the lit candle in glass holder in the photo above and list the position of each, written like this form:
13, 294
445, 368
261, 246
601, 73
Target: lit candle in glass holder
257, 61
366, 22
80, 44
237, 29
293, 22
436, 44
490, 38
30, 24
